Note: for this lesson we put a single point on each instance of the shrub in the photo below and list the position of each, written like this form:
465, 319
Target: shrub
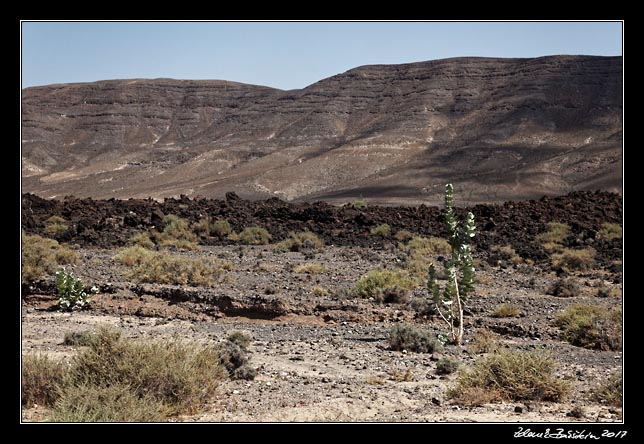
506, 311
403, 235
179, 375
383, 285
310, 268
556, 233
114, 403
71, 292
570, 260
164, 268
483, 341
446, 366
610, 391
592, 327
55, 225
41, 255
610, 231
506, 254
359, 204
300, 241
410, 338
133, 255
202, 227
512, 376
459, 270
176, 233
220, 228
234, 357
382, 230
79, 338
41, 378
565, 288
142, 240
425, 246
318, 292
254, 236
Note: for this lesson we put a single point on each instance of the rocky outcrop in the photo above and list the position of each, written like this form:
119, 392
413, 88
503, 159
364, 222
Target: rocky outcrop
497, 128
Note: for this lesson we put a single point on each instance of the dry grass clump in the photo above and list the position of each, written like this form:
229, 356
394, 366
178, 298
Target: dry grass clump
142, 240
41, 377
574, 260
610, 231
384, 286
556, 233
382, 230
177, 234
300, 241
610, 391
483, 341
506, 253
310, 268
506, 311
55, 225
252, 236
42, 255
591, 326
510, 376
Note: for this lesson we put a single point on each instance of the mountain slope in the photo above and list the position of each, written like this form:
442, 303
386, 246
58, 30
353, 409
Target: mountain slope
497, 128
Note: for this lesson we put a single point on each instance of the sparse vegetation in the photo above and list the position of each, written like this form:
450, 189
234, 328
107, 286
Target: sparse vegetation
483, 341
41, 377
610, 391
359, 204
79, 338
507, 254
142, 240
610, 231
221, 229
55, 225
166, 268
511, 376
506, 311
318, 291
403, 235
254, 236
447, 365
564, 287
410, 338
133, 255
384, 286
591, 326
556, 233
300, 241
310, 268
176, 233
425, 246
574, 260
71, 292
459, 271
41, 255
234, 356
382, 230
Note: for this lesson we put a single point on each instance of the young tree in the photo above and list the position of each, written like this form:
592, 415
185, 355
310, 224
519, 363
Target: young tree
459, 270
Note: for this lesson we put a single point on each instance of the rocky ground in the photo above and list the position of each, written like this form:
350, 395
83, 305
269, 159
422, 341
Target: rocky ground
326, 357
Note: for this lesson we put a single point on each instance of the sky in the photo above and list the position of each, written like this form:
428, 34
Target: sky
285, 55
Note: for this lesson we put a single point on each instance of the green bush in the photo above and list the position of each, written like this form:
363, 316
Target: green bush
254, 236
71, 292
133, 255
142, 240
592, 327
359, 204
410, 338
41, 255
506, 311
113, 403
425, 246
164, 268
609, 391
176, 233
572, 260
556, 233
382, 230
41, 377
384, 286
179, 375
511, 376
220, 229
55, 225
610, 231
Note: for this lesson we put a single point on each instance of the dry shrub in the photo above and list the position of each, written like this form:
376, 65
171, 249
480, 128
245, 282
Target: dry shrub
176, 233
319, 291
512, 376
79, 338
506, 253
164, 268
556, 233
574, 260
253, 236
446, 366
475, 396
133, 255
310, 268
300, 241
483, 341
41, 377
41, 255
403, 235
382, 230
426, 246
610, 231
142, 240
55, 225
565, 288
610, 391
506, 311
592, 327
410, 338
384, 286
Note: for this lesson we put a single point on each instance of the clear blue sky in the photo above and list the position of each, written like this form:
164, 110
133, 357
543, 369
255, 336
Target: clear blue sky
284, 55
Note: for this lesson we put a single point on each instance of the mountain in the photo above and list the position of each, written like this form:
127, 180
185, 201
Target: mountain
497, 128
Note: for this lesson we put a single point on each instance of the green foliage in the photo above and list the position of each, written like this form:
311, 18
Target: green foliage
55, 225
610, 231
447, 365
384, 285
41, 255
181, 376
556, 233
220, 229
511, 376
410, 338
610, 391
254, 236
459, 270
133, 255
425, 246
113, 403
142, 240
176, 233
359, 204
571, 260
382, 230
71, 292
506, 311
591, 326
41, 378
300, 241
